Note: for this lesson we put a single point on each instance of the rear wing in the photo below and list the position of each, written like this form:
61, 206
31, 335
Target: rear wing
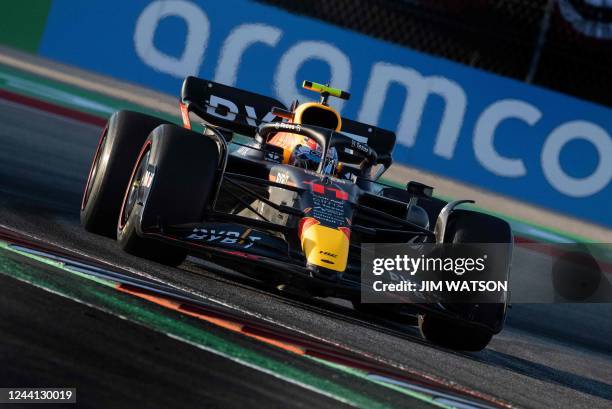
381, 140
243, 111
227, 107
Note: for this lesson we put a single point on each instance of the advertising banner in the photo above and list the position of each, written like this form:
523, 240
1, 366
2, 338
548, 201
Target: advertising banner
496, 133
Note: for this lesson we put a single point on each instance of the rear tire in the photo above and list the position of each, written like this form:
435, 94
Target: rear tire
466, 226
181, 167
111, 167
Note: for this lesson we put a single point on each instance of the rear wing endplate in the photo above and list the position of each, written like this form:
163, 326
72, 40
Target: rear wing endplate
228, 107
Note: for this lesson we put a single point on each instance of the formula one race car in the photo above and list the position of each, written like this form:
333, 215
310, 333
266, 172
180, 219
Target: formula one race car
284, 195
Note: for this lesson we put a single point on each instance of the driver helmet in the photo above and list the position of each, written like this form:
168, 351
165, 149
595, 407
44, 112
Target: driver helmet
307, 157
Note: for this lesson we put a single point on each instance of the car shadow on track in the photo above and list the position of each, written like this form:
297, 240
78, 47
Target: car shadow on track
330, 307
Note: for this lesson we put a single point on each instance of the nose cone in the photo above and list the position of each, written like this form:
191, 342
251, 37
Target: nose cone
324, 246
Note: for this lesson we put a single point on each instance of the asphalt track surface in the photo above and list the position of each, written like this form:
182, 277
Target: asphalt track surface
549, 356
115, 363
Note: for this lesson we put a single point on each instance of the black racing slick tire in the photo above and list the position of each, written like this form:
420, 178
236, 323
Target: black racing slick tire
111, 167
180, 168
453, 335
466, 226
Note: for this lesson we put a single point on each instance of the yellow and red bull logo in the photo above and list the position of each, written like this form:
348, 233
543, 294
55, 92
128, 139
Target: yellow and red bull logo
324, 246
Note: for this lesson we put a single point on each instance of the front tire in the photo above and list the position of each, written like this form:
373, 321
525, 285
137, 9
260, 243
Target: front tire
466, 226
450, 334
171, 184
112, 165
